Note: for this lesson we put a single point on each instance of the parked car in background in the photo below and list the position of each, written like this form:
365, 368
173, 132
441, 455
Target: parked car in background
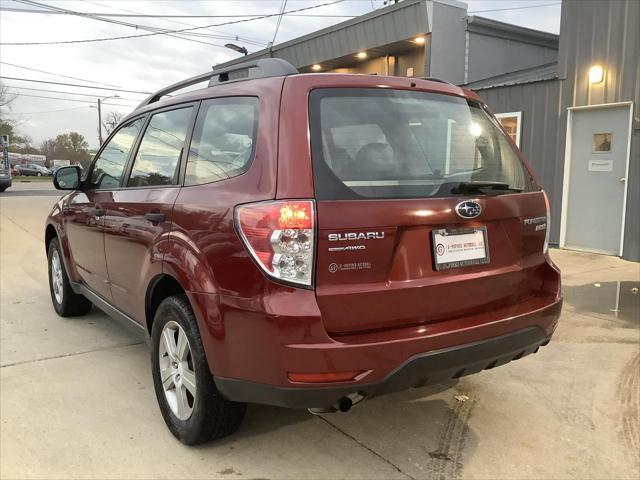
307, 241
5, 177
32, 169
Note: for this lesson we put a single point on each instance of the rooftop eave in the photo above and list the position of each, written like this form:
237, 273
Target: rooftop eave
486, 26
424, 28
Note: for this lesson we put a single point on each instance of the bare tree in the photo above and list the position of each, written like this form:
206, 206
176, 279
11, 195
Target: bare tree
5, 99
111, 121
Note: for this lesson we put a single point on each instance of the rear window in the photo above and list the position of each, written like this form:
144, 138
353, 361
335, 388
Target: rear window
375, 143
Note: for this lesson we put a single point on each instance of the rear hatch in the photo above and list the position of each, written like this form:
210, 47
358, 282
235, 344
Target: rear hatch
425, 211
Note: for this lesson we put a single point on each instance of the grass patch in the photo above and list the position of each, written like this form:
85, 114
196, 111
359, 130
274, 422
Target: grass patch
25, 179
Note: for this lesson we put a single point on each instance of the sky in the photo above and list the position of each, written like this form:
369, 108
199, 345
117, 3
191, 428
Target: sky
148, 63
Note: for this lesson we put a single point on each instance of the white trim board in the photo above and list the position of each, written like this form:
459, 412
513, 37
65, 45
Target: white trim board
567, 170
518, 115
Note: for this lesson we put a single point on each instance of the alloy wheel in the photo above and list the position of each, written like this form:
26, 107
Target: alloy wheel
177, 372
56, 276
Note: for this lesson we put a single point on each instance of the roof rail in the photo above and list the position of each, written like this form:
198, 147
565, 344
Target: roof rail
435, 79
263, 68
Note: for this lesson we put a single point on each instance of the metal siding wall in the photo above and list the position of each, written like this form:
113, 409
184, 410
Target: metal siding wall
539, 103
490, 56
448, 43
387, 25
605, 33
632, 228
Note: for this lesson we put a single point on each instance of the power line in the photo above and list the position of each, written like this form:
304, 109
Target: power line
515, 8
165, 16
223, 34
49, 111
275, 34
74, 85
122, 37
57, 74
65, 93
72, 100
116, 22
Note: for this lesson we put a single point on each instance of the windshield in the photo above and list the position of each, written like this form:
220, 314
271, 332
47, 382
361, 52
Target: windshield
375, 143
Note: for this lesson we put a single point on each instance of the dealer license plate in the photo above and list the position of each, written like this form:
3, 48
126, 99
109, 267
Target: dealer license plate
455, 248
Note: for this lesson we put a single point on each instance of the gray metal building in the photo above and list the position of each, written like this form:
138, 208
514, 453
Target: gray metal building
580, 130
418, 38
570, 102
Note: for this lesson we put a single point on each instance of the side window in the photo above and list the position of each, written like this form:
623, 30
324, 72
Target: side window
223, 141
109, 166
159, 154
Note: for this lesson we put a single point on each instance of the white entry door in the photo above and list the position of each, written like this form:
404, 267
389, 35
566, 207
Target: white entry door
596, 167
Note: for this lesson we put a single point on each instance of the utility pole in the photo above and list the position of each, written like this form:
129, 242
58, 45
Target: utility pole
99, 123
100, 100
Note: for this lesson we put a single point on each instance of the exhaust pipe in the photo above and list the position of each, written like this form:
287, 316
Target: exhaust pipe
343, 405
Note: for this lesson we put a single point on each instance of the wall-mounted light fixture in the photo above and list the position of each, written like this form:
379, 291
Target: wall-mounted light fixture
316, 67
596, 74
419, 40
361, 54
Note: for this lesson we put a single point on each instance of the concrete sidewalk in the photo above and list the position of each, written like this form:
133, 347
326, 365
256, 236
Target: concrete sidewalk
76, 397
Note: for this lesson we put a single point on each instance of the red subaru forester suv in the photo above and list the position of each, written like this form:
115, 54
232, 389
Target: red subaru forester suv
306, 240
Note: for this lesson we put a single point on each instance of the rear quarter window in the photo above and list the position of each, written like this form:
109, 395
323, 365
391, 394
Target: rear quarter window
224, 137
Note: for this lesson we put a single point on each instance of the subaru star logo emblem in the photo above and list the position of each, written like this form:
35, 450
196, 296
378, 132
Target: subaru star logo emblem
468, 209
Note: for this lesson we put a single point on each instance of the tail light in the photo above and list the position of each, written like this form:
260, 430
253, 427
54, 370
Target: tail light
280, 237
545, 248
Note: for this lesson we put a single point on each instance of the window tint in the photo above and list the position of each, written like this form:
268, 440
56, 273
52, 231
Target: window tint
374, 143
107, 169
159, 153
223, 140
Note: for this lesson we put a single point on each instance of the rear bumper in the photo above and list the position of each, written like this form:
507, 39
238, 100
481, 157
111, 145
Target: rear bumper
429, 367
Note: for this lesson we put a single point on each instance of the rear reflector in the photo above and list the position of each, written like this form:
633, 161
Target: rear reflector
322, 377
280, 237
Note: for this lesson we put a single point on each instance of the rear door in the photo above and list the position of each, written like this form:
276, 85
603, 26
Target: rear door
421, 203
139, 216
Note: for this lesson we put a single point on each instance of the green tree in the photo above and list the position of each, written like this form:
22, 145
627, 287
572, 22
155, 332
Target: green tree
67, 146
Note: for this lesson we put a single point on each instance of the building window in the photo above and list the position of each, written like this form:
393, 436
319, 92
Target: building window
511, 122
602, 142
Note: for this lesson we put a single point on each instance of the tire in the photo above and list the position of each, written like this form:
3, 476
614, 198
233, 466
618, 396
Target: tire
65, 301
2, 189
207, 415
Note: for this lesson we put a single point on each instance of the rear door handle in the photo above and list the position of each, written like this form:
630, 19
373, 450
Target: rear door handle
155, 217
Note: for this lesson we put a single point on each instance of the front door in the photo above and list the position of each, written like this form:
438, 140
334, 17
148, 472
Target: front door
85, 209
597, 168
84, 220
138, 219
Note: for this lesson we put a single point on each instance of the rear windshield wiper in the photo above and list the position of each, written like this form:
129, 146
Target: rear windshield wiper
479, 186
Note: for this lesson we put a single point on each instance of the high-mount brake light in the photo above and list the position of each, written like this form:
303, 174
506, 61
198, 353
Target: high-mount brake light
280, 237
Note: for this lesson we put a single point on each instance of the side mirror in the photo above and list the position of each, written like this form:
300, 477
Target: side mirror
67, 178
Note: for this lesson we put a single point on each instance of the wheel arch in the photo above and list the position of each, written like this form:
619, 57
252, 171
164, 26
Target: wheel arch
161, 286
49, 234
